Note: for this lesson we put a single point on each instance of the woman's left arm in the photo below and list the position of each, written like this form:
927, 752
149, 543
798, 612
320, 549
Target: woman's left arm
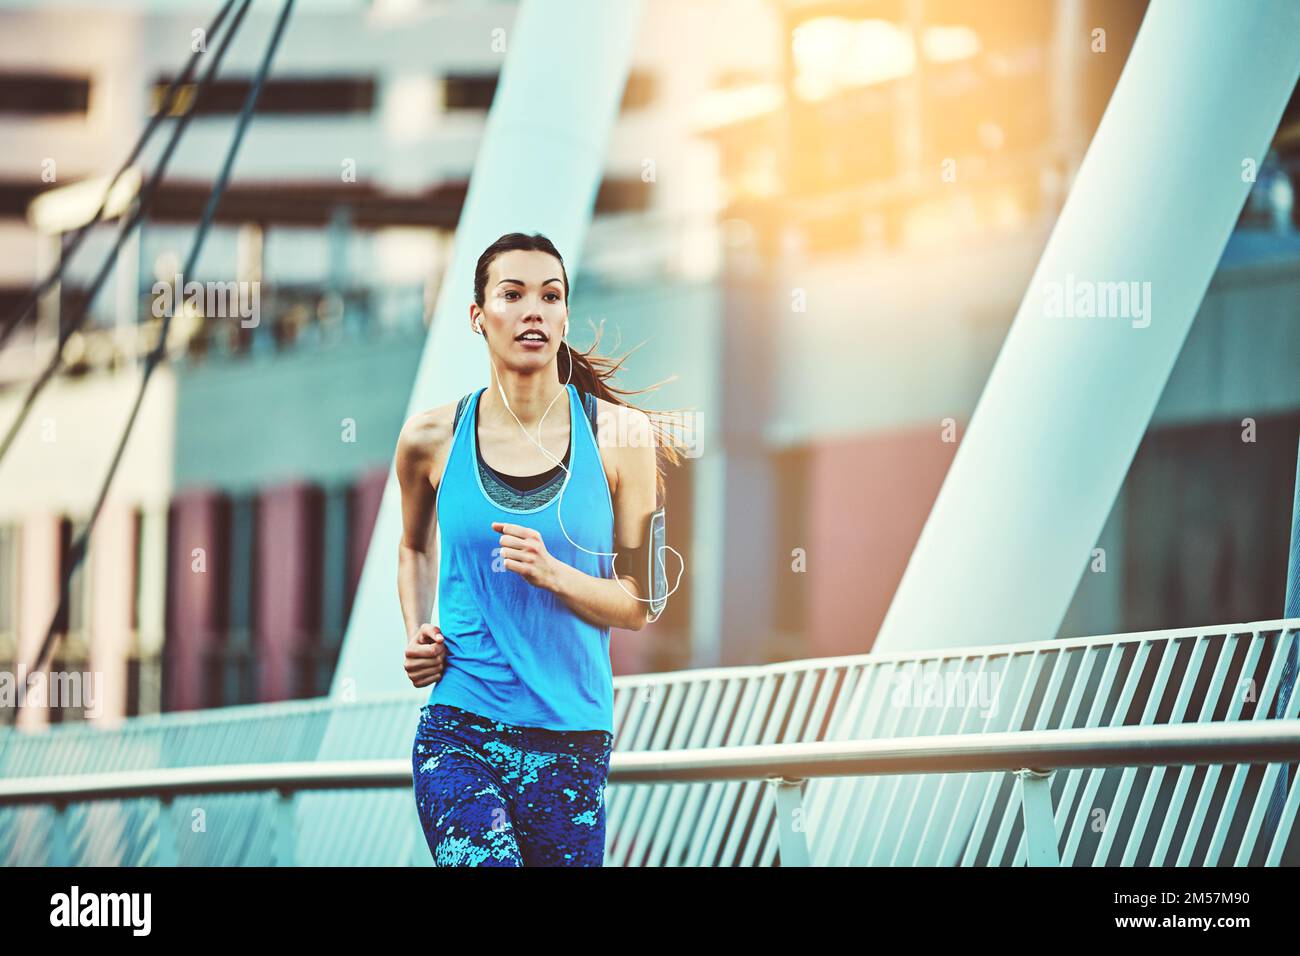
604, 602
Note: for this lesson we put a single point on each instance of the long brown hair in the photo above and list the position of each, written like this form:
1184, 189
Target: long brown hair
591, 372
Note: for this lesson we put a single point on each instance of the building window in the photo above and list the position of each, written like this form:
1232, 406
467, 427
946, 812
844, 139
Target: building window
143, 667
622, 195
40, 94
789, 572
70, 660
283, 97
336, 595
234, 675
476, 91
639, 92
462, 92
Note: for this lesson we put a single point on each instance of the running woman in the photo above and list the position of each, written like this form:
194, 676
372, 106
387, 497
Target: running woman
511, 754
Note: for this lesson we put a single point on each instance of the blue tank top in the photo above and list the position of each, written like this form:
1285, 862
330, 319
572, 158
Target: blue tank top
516, 653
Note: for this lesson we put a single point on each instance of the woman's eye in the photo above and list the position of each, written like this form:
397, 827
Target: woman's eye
553, 296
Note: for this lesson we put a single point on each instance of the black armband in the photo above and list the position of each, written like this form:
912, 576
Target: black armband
646, 564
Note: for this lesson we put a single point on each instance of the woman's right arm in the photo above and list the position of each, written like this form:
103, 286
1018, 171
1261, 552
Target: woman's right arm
421, 450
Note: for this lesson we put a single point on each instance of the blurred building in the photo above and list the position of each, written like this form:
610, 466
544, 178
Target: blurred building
900, 175
820, 216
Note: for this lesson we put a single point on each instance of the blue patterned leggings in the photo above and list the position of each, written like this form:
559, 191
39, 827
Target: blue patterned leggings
494, 794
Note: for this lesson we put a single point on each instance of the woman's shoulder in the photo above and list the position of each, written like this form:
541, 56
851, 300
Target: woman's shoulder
425, 435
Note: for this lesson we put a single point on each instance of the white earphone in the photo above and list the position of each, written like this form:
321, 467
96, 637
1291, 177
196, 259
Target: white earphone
560, 502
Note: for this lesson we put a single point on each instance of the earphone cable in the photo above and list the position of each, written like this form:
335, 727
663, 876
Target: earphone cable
560, 500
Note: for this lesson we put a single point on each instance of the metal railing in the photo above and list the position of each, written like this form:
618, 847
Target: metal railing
1142, 814
1032, 756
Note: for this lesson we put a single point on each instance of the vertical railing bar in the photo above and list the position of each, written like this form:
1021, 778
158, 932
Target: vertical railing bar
1284, 824
821, 706
895, 782
701, 732
829, 803
669, 818
1263, 707
1068, 716
765, 719
649, 714
707, 816
637, 726
945, 779
721, 798
788, 813
1177, 715
967, 779
924, 783
1191, 834
850, 701
168, 849
848, 793
60, 854
1127, 692
1186, 773
647, 801
1009, 814
646, 711
994, 781
286, 830
623, 703
1269, 780
766, 844
1120, 799
1035, 793
857, 819
816, 791
784, 713
743, 730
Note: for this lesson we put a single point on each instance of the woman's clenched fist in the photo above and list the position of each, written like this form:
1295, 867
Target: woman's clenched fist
426, 655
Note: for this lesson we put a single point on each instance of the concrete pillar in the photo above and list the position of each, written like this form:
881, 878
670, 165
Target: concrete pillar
197, 556
151, 611
38, 587
289, 538
1069, 398
112, 584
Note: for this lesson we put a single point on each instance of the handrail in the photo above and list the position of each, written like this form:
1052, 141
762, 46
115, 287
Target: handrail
696, 675
1230, 742
868, 816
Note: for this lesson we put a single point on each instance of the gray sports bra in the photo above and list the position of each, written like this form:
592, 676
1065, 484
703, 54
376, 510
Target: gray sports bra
521, 492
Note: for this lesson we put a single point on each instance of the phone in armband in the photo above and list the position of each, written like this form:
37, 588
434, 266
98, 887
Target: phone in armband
657, 574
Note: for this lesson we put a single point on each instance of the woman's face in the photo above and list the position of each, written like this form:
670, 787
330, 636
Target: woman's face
524, 310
